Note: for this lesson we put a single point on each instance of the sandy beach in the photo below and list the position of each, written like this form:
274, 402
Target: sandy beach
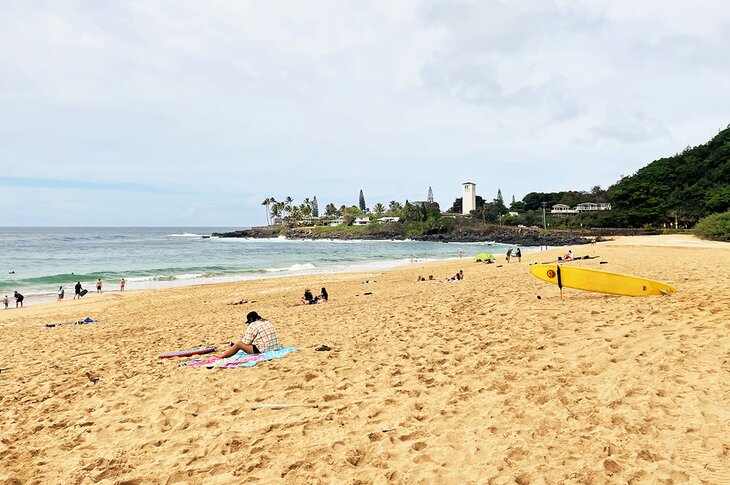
492, 379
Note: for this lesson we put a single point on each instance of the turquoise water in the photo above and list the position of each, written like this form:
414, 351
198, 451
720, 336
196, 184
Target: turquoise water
43, 259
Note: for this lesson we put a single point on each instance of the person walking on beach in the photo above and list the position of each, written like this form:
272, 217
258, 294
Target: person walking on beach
6, 301
518, 254
61, 292
77, 290
509, 254
98, 285
260, 337
18, 300
121, 284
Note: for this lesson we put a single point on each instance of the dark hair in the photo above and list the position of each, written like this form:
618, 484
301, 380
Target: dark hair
252, 317
324, 293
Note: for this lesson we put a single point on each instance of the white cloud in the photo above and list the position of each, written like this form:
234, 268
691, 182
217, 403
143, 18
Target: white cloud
251, 99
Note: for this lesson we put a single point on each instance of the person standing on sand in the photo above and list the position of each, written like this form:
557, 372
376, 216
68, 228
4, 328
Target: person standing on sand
77, 290
121, 284
518, 253
61, 292
509, 254
5, 300
98, 285
260, 337
18, 300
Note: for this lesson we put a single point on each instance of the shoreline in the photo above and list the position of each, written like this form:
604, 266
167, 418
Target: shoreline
35, 298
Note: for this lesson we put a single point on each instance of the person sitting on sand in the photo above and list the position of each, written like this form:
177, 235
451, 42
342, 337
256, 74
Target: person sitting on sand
569, 255
307, 299
260, 337
431, 278
324, 296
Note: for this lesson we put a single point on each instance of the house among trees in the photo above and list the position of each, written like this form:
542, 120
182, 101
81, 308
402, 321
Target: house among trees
584, 207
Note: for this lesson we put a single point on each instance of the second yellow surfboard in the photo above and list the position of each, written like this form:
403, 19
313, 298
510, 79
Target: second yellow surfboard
600, 281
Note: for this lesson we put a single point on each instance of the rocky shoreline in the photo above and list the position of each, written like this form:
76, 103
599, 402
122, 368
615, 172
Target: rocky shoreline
500, 234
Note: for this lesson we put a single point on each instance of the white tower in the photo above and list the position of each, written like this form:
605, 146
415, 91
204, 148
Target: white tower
468, 197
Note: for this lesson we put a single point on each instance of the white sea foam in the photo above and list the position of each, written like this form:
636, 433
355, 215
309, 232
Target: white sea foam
294, 267
186, 234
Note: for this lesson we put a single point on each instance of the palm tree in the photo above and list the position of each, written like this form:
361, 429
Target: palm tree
266, 203
287, 204
379, 208
276, 209
306, 210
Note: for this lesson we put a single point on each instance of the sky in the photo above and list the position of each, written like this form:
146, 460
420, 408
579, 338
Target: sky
189, 113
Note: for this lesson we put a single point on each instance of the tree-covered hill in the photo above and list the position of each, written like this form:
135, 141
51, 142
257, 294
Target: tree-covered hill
688, 186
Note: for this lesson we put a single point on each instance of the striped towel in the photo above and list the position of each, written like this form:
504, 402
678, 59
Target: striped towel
240, 359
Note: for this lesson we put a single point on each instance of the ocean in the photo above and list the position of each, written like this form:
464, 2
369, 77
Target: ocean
37, 260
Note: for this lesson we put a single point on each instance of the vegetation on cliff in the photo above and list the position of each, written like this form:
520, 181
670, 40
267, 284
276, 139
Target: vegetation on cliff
687, 186
715, 226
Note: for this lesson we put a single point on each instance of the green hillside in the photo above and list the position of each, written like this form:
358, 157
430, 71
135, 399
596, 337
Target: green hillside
689, 185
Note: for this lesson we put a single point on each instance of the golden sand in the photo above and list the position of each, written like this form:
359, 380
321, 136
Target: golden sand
477, 381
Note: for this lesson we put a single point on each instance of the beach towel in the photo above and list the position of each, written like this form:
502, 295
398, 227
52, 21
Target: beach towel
240, 359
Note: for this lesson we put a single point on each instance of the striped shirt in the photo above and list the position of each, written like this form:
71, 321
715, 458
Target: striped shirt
261, 333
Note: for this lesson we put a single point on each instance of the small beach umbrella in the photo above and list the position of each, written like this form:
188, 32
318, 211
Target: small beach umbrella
483, 256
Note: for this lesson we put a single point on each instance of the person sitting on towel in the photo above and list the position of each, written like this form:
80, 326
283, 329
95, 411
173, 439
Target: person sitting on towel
260, 337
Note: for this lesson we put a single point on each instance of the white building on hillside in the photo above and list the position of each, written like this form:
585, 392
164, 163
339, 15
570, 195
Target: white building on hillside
468, 197
563, 209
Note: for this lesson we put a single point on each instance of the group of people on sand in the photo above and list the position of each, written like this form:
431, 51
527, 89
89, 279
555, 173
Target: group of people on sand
18, 300
309, 299
517, 254
457, 277
78, 288
260, 335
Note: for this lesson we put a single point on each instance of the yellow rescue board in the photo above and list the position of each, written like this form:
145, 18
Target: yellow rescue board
600, 281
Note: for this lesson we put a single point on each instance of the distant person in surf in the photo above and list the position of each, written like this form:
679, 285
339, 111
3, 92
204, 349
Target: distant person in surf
61, 292
18, 299
260, 337
121, 284
98, 285
77, 290
6, 301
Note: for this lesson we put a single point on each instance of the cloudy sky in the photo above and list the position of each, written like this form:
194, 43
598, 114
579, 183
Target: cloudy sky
189, 113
